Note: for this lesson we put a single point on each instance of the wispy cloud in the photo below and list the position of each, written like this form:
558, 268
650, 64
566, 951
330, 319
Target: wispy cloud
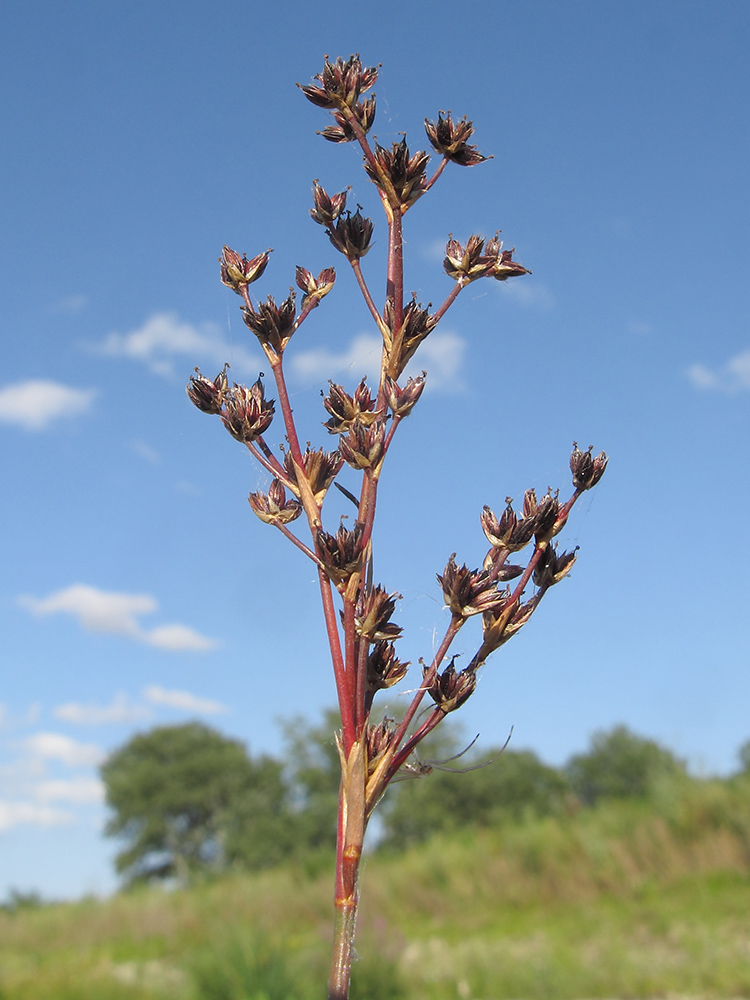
71, 304
38, 403
440, 355
183, 700
146, 452
18, 813
77, 790
731, 378
120, 710
361, 357
164, 338
117, 614
55, 746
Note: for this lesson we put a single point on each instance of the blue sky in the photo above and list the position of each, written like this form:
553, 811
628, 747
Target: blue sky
138, 588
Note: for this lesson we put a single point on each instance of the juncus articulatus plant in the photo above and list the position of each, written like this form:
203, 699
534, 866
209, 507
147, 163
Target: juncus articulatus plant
358, 613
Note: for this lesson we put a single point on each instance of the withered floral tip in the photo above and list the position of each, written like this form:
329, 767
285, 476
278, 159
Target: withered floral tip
402, 400
346, 410
207, 394
402, 341
247, 413
341, 82
450, 689
553, 566
468, 592
351, 234
315, 289
587, 470
273, 325
476, 260
384, 669
273, 507
326, 208
362, 447
406, 173
239, 272
372, 615
341, 553
450, 139
319, 467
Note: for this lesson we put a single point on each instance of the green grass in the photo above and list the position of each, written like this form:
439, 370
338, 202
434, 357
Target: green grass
624, 900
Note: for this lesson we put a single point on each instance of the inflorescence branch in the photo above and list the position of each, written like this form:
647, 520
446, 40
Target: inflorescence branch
361, 634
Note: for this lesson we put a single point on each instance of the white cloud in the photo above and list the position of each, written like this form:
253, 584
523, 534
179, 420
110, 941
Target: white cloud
177, 638
78, 790
440, 355
37, 403
731, 378
163, 338
16, 813
120, 710
362, 357
55, 746
151, 455
183, 700
117, 614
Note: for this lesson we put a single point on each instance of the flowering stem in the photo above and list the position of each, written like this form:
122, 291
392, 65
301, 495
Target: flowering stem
357, 268
395, 275
450, 299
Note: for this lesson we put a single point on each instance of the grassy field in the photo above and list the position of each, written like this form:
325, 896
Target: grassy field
624, 900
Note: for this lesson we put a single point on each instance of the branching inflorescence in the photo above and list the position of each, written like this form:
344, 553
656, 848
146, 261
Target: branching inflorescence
358, 612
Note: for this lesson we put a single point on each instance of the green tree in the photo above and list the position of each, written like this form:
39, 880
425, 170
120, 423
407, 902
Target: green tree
621, 765
313, 772
514, 783
187, 799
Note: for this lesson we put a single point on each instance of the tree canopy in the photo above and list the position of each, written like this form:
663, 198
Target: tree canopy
187, 799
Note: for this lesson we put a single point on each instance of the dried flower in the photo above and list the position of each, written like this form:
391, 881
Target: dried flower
402, 342
373, 613
273, 507
315, 289
247, 414
341, 553
451, 689
327, 208
362, 447
273, 325
499, 628
406, 173
468, 592
341, 83
552, 567
320, 468
587, 471
239, 272
510, 532
451, 140
346, 410
351, 235
384, 669
403, 400
480, 261
208, 395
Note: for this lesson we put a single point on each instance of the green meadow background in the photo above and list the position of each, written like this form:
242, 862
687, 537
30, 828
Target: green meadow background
627, 898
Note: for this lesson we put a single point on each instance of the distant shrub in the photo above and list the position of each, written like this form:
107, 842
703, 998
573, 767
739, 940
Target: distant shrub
513, 784
621, 765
